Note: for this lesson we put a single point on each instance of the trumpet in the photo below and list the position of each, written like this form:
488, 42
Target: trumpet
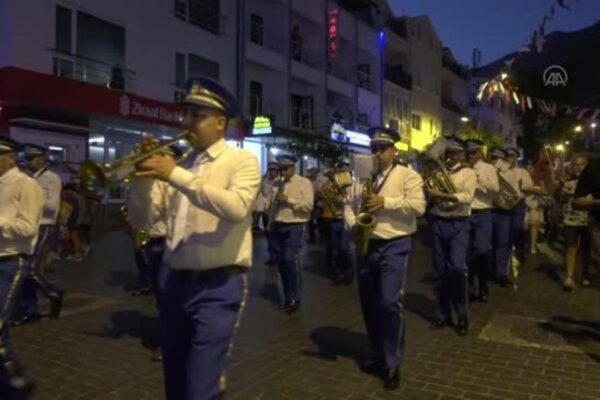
95, 178
365, 221
274, 205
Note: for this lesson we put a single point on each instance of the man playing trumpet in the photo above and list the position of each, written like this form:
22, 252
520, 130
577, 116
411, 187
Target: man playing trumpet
394, 204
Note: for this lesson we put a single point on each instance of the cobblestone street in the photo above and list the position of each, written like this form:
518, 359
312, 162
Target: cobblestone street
534, 343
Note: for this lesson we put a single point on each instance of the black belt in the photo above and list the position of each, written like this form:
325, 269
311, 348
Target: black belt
155, 240
12, 257
480, 210
289, 223
450, 218
201, 275
376, 242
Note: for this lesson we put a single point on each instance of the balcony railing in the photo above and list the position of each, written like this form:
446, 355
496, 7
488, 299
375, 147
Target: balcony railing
92, 71
202, 16
338, 70
270, 41
396, 75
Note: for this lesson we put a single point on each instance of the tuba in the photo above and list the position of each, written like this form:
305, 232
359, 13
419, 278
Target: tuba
436, 176
507, 197
365, 221
341, 180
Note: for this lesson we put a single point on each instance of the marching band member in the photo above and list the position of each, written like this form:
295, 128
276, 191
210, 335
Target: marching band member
266, 189
524, 187
21, 205
450, 242
294, 196
396, 201
338, 255
207, 210
502, 221
480, 222
27, 309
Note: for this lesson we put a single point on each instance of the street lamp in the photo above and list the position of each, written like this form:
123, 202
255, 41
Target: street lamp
578, 128
464, 119
560, 148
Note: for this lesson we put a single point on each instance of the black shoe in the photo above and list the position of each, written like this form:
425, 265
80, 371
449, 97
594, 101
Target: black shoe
293, 306
22, 393
391, 378
483, 295
55, 306
270, 263
143, 291
157, 356
462, 326
285, 305
27, 319
372, 367
440, 324
504, 281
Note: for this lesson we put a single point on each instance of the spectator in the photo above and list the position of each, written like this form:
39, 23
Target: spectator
575, 224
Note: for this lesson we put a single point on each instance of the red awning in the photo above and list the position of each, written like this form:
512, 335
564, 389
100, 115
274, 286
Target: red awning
21, 87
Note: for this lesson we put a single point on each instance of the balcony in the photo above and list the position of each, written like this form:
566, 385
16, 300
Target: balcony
397, 76
453, 106
301, 118
202, 16
92, 71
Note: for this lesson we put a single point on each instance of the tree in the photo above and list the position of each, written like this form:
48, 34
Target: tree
327, 152
489, 139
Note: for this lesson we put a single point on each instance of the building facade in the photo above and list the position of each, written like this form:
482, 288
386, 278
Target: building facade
94, 75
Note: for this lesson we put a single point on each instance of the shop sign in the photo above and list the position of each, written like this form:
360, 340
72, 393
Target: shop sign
341, 134
136, 108
262, 125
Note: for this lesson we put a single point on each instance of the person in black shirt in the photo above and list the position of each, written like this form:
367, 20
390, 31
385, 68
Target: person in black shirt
587, 197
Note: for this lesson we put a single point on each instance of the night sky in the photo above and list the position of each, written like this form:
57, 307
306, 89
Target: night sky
496, 27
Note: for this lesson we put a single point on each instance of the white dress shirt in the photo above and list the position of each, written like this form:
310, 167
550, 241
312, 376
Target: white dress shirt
404, 201
487, 185
51, 184
524, 181
207, 209
21, 204
136, 209
465, 181
300, 198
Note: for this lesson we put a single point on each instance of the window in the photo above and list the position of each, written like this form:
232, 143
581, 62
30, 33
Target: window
416, 122
256, 29
201, 66
296, 43
180, 70
255, 98
63, 35
302, 111
364, 76
405, 109
204, 14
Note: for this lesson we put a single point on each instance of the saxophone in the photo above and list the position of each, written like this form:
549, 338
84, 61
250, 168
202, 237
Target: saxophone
141, 237
365, 221
274, 205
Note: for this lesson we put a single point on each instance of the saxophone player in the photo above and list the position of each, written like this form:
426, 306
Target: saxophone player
450, 241
397, 199
480, 223
338, 255
294, 201
501, 221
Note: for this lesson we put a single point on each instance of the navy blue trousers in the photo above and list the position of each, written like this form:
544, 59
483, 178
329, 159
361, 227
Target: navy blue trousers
198, 318
502, 244
450, 243
518, 229
478, 258
148, 259
11, 277
287, 243
381, 280
27, 300
337, 251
